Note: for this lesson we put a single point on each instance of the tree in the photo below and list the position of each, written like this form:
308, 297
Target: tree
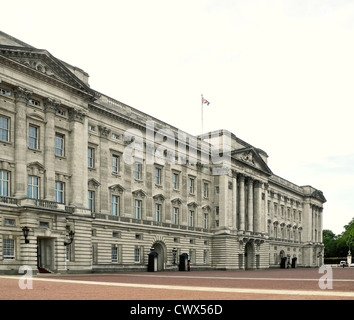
348, 235
330, 243
338, 245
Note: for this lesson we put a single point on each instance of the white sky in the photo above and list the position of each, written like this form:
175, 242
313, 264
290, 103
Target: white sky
278, 74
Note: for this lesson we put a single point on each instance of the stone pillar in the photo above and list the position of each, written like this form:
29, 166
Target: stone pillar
21, 99
266, 213
257, 208
234, 203
250, 204
78, 159
105, 169
242, 202
49, 148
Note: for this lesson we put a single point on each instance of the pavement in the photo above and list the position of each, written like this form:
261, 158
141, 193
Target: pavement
270, 284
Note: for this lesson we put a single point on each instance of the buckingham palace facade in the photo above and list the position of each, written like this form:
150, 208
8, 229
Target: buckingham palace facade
90, 184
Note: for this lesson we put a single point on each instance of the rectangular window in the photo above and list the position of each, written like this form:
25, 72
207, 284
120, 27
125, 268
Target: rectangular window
4, 183
138, 171
137, 255
59, 145
59, 192
157, 212
158, 176
8, 249
115, 164
206, 190
115, 205
191, 185
4, 129
33, 187
91, 200
137, 209
5, 92
191, 218
205, 222
91, 157
9, 222
33, 134
175, 215
175, 181
114, 253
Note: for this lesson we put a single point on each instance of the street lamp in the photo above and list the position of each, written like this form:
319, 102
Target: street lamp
174, 252
71, 236
25, 231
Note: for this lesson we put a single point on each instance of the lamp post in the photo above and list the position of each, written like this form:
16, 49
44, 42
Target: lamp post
71, 237
25, 231
174, 252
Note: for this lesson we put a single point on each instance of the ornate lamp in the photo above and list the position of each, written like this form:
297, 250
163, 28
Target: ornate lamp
174, 252
71, 237
25, 231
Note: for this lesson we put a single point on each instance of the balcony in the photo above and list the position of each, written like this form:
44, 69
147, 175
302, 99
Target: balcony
147, 222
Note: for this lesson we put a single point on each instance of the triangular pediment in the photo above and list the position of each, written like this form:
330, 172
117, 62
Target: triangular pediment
319, 196
42, 64
8, 40
251, 157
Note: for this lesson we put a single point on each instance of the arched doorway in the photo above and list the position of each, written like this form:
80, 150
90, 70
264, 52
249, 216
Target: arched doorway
249, 256
160, 249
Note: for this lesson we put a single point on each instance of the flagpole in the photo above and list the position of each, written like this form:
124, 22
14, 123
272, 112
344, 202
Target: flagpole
202, 113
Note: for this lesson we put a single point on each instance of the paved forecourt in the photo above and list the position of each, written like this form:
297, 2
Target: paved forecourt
279, 284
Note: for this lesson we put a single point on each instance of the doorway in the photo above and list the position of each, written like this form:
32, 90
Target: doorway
160, 249
45, 253
249, 256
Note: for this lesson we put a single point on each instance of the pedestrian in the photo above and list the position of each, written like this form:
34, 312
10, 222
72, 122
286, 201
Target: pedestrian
189, 265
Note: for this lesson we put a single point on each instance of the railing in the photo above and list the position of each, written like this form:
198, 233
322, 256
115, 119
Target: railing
147, 222
46, 204
9, 200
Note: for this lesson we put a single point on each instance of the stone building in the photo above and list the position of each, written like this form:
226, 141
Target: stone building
125, 183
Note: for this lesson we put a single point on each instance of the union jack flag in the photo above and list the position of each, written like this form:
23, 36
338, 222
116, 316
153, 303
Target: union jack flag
205, 101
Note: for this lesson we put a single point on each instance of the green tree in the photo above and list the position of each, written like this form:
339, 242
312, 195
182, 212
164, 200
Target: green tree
348, 235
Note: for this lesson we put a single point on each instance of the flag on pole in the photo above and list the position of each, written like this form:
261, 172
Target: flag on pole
205, 101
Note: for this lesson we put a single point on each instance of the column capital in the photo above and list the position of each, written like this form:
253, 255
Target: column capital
250, 180
104, 131
77, 115
22, 94
50, 105
241, 177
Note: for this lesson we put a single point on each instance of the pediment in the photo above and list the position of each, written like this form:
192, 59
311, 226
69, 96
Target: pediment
159, 197
139, 193
44, 64
117, 188
192, 204
250, 157
319, 196
176, 201
93, 183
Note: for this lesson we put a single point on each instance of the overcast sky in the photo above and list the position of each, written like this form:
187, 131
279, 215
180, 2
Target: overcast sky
278, 74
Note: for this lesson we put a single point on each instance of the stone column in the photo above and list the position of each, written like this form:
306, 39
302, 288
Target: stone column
266, 213
242, 202
78, 159
105, 169
49, 148
250, 204
21, 99
234, 197
257, 208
